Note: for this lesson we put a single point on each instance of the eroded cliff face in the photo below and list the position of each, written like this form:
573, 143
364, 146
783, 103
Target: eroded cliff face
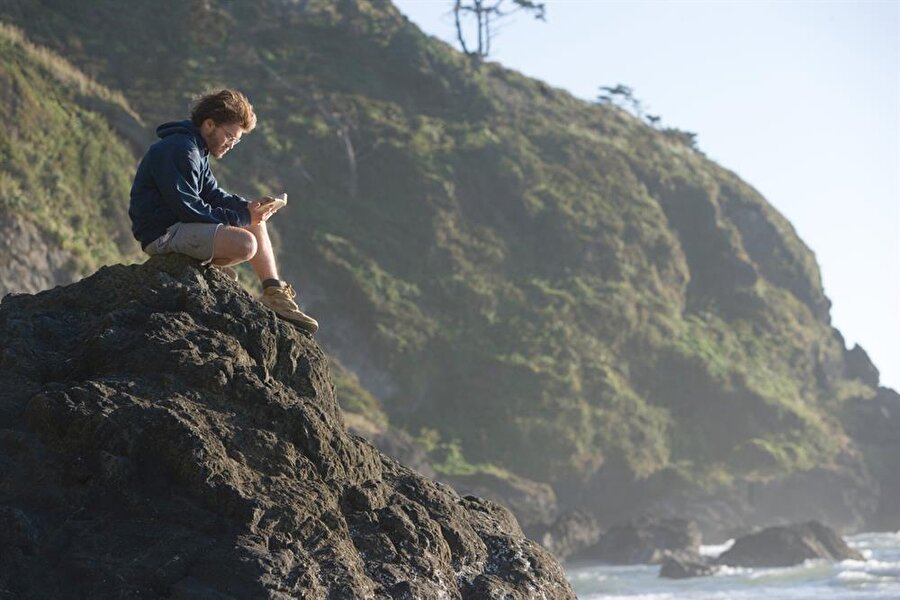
161, 433
29, 260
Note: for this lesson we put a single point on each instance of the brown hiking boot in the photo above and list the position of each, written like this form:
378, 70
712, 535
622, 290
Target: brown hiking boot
281, 300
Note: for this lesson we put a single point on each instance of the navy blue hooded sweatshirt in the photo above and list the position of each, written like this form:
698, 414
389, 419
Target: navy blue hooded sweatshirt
173, 183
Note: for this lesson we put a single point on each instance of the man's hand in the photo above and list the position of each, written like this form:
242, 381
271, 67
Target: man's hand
260, 212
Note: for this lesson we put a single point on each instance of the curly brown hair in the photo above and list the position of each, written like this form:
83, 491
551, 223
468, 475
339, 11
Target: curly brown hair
224, 107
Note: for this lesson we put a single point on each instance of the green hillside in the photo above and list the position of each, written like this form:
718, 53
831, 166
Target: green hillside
551, 286
61, 165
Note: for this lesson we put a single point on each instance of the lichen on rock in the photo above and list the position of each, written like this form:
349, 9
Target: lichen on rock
163, 434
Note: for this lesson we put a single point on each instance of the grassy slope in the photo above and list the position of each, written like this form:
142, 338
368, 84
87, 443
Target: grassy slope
61, 165
553, 284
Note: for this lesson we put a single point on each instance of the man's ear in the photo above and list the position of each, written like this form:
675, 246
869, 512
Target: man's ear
207, 125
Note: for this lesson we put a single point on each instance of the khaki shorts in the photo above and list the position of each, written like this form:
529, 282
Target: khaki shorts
194, 239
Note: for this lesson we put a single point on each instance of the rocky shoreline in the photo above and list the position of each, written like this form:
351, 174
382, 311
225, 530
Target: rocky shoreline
674, 544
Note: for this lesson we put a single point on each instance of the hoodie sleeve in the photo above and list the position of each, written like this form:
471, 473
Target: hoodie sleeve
216, 196
178, 174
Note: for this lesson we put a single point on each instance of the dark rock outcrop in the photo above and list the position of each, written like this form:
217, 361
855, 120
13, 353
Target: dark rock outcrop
645, 540
683, 568
162, 434
858, 365
784, 546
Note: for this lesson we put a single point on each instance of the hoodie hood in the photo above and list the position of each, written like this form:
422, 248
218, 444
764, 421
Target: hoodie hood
185, 127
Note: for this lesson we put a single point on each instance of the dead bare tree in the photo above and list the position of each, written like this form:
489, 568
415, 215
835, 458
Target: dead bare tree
488, 14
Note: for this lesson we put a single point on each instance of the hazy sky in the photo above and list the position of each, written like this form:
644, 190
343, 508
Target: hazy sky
801, 99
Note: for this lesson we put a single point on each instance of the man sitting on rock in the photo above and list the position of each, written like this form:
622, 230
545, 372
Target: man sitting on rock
177, 205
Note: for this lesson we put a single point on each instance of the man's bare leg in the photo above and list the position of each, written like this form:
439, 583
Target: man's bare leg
263, 262
233, 245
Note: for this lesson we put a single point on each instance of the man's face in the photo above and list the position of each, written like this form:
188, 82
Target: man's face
220, 138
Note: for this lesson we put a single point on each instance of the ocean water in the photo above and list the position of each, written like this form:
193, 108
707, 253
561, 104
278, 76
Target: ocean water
876, 577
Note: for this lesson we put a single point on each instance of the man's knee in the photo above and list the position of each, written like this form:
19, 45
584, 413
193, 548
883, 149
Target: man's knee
247, 246
236, 243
